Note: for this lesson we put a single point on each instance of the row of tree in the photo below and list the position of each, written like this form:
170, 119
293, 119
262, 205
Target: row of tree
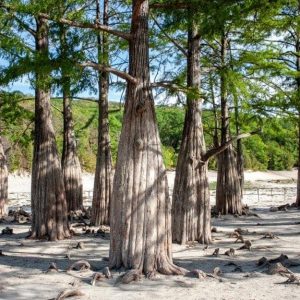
135, 202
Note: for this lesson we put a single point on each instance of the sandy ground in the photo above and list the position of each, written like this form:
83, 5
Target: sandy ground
23, 276
22, 182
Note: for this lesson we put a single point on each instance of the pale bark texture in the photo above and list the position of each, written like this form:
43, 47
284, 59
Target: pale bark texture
239, 149
141, 208
48, 199
103, 176
71, 167
3, 181
228, 191
298, 106
191, 205
298, 181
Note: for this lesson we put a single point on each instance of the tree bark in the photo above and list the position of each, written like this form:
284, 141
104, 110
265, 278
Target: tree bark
140, 208
239, 148
298, 181
228, 191
191, 205
3, 181
48, 199
103, 176
298, 106
71, 167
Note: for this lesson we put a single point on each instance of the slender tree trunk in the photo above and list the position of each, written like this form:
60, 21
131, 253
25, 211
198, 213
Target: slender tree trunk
141, 208
298, 108
103, 176
3, 181
298, 181
70, 162
48, 199
191, 206
228, 191
71, 167
239, 149
215, 111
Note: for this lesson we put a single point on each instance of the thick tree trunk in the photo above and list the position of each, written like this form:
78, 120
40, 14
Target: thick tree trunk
191, 206
140, 208
48, 199
70, 162
103, 176
228, 191
3, 181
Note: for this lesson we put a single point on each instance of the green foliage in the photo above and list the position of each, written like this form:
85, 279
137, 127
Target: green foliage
274, 149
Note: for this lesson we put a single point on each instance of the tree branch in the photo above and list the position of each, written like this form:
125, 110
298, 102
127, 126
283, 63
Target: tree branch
215, 151
169, 85
176, 44
96, 26
176, 5
25, 26
116, 72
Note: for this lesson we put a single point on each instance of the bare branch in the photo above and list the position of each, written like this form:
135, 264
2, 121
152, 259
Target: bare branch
116, 72
169, 85
176, 44
96, 26
215, 151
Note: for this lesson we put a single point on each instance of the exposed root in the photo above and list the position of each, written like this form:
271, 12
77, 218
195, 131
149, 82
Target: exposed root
281, 259
230, 252
69, 293
284, 207
167, 267
292, 278
239, 237
97, 277
52, 268
246, 246
130, 276
7, 231
216, 273
262, 261
1, 253
278, 268
270, 235
197, 273
246, 212
106, 272
81, 265
241, 231
216, 252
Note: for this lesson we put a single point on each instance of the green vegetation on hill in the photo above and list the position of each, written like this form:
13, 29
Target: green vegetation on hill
274, 148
